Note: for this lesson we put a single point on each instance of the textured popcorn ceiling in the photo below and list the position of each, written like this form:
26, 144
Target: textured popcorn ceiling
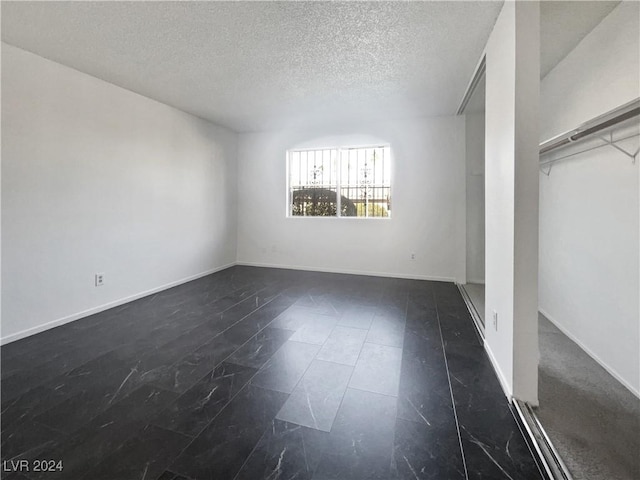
266, 65
262, 65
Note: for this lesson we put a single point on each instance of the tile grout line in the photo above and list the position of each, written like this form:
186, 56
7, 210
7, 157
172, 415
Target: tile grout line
232, 353
45, 382
246, 460
395, 423
215, 366
286, 292
114, 349
288, 396
248, 381
343, 393
315, 358
289, 340
254, 294
341, 398
228, 328
453, 402
194, 437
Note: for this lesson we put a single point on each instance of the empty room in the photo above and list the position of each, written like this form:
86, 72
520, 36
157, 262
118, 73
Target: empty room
320, 240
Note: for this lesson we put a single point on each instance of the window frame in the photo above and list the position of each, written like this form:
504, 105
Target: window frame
339, 150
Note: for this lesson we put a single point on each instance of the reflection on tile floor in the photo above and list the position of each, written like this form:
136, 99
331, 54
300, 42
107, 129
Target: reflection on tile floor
254, 373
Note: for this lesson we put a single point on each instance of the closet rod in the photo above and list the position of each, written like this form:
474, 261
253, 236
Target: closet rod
554, 160
610, 119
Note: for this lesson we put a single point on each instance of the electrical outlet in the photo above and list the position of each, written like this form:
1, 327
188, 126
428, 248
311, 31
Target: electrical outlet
413, 256
495, 320
99, 279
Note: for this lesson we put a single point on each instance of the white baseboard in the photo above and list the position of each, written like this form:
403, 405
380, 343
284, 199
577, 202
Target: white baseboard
589, 352
506, 389
85, 313
479, 281
349, 272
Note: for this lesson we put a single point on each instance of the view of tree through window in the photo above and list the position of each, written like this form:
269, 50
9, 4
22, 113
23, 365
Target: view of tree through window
343, 182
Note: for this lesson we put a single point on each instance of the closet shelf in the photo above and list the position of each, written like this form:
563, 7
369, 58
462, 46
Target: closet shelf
602, 128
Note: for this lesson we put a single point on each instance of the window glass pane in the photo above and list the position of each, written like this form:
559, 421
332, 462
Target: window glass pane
313, 182
366, 181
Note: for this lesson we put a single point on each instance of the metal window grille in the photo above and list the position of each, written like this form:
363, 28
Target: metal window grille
344, 182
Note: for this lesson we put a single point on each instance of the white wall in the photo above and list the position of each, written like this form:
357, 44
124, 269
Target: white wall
589, 206
511, 196
475, 196
428, 198
99, 179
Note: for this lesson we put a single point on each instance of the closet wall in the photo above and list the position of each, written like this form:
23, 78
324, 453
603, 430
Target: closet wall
589, 205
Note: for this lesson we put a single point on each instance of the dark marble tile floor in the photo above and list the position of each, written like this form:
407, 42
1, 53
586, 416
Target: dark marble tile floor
255, 373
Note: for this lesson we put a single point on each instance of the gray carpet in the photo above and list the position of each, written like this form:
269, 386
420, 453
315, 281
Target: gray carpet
592, 420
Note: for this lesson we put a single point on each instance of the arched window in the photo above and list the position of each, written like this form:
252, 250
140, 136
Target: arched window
340, 182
